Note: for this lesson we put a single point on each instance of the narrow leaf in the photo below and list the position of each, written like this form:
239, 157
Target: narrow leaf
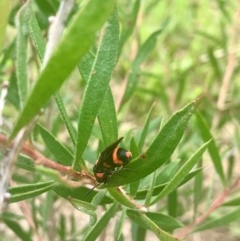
145, 130
159, 150
150, 189
213, 150
107, 119
62, 227
157, 189
57, 68
138, 232
164, 222
198, 185
225, 220
146, 222
97, 86
78, 193
38, 41
27, 191
167, 172
84, 207
129, 26
26, 163
135, 153
143, 52
65, 118
101, 224
21, 51
182, 173
96, 201
16, 227
47, 208
107, 116
119, 225
36, 36
172, 203
121, 198
233, 202
5, 9
62, 154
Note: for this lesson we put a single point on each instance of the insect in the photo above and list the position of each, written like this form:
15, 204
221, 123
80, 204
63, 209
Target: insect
110, 161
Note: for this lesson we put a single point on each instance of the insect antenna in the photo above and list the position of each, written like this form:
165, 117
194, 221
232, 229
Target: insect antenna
91, 189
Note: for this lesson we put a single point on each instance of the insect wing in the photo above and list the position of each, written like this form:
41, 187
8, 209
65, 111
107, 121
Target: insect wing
106, 155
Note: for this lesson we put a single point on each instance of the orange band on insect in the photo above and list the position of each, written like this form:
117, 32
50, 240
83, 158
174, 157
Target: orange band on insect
115, 158
99, 175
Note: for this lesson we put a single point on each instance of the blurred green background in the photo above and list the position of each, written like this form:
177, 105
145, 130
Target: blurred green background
170, 53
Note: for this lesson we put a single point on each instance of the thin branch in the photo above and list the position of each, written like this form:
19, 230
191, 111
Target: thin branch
39, 159
216, 204
56, 28
2, 100
7, 164
231, 65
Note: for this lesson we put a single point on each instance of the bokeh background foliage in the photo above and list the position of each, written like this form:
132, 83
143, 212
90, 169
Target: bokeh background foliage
136, 69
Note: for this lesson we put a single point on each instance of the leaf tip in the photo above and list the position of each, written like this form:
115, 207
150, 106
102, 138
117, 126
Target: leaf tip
197, 101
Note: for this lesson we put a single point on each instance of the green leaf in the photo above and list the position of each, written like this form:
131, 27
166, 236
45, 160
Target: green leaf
107, 117
65, 118
172, 203
39, 44
135, 153
232, 202
182, 173
27, 191
198, 189
214, 62
164, 222
51, 174
47, 208
138, 232
145, 221
84, 207
159, 150
168, 172
36, 36
13, 94
93, 15
98, 198
145, 130
62, 227
26, 163
78, 193
143, 52
15, 227
62, 154
95, 231
121, 198
5, 9
119, 225
213, 150
150, 189
220, 221
21, 51
97, 86
157, 189
130, 24
96, 201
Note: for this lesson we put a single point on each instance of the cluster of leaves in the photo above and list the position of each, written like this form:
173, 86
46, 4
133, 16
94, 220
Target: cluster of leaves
157, 175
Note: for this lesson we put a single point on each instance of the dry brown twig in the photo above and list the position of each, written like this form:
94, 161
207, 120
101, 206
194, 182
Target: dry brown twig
231, 65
